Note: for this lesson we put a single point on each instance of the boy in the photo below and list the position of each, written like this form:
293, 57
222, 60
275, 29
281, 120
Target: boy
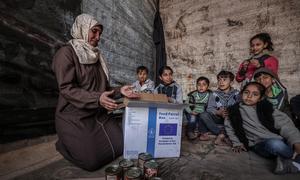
218, 102
198, 100
168, 86
276, 93
143, 84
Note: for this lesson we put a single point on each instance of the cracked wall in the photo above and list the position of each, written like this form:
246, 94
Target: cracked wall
205, 36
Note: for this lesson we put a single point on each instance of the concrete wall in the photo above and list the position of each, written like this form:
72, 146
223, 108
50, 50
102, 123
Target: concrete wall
127, 38
205, 36
30, 32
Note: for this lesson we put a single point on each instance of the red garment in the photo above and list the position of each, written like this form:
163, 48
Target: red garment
270, 63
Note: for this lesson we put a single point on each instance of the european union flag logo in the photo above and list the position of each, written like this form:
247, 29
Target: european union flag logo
168, 129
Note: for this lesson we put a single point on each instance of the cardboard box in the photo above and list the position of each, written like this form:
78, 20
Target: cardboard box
153, 127
149, 97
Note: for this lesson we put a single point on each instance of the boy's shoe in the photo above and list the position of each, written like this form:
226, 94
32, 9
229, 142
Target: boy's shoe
192, 135
284, 166
204, 137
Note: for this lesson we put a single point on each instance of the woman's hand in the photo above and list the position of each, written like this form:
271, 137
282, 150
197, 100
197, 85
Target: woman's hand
128, 92
238, 149
107, 102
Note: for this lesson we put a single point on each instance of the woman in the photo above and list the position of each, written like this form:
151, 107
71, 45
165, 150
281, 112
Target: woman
87, 135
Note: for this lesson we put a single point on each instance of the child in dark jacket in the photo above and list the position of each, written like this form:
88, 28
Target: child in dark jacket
212, 120
276, 93
261, 45
253, 124
198, 100
168, 86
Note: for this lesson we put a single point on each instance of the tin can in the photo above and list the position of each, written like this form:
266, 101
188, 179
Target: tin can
125, 164
133, 173
155, 178
143, 157
113, 172
150, 169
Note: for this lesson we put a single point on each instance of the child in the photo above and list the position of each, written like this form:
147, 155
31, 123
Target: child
143, 84
276, 93
168, 86
254, 125
216, 111
198, 100
261, 45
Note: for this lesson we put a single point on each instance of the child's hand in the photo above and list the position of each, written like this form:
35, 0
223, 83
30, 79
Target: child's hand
239, 149
245, 64
194, 113
222, 112
255, 62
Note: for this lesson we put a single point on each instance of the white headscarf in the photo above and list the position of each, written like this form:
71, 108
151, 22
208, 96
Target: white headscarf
86, 53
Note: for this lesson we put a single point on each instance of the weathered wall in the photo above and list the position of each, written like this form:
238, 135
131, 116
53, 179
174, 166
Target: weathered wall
30, 31
205, 36
127, 38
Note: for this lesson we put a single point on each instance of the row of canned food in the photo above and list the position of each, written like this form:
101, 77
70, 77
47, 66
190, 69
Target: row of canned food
147, 168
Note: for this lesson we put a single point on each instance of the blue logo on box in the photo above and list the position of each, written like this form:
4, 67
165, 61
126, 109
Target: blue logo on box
167, 129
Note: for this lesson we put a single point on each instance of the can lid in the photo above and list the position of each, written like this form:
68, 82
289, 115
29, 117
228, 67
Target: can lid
133, 172
151, 164
126, 163
113, 169
145, 156
155, 178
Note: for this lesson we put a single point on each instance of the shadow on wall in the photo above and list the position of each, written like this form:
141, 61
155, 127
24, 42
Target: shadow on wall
31, 32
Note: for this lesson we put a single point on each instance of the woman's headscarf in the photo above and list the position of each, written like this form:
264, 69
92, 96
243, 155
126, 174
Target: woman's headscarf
86, 53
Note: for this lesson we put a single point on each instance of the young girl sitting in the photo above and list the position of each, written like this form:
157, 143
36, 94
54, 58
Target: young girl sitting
254, 125
260, 47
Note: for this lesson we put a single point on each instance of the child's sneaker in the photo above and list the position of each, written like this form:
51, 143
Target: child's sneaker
191, 135
284, 166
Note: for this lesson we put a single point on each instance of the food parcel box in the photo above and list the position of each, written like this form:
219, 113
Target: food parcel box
153, 127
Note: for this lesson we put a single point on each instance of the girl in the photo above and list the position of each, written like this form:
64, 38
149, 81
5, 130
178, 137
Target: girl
254, 125
260, 47
168, 86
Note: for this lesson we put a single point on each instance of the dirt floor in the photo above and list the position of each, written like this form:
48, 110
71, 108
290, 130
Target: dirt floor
198, 160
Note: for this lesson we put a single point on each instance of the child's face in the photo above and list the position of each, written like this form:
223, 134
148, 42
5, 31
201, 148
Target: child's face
251, 95
166, 77
266, 80
224, 83
257, 46
142, 76
202, 86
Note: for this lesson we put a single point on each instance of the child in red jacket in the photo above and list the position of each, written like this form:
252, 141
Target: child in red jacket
260, 47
